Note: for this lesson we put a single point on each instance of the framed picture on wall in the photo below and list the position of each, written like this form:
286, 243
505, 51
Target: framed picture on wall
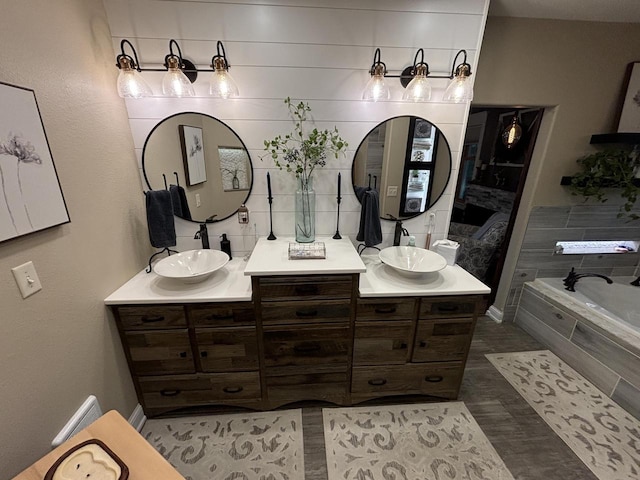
192, 154
234, 165
30, 194
630, 112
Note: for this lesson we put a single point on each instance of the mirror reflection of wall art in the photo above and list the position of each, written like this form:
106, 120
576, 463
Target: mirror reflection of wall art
630, 113
31, 197
193, 154
234, 163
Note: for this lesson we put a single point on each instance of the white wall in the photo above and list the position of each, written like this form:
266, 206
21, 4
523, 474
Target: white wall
311, 50
61, 344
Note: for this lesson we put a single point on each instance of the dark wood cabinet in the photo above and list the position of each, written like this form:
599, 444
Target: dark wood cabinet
305, 337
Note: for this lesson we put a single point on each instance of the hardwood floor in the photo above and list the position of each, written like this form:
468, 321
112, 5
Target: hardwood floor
527, 445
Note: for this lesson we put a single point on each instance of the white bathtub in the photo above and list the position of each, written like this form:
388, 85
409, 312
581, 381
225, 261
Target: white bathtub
615, 307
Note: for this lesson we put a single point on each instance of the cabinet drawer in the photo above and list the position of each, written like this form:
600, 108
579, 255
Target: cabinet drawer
440, 379
227, 349
286, 313
448, 307
330, 387
306, 345
221, 315
382, 343
146, 318
160, 352
305, 287
442, 340
385, 309
175, 391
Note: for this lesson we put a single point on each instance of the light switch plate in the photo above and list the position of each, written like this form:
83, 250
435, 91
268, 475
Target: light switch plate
392, 191
27, 279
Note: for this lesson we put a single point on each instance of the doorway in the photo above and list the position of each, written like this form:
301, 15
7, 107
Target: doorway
496, 154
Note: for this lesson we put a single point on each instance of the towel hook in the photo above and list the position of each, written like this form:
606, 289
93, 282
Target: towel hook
164, 177
369, 180
177, 179
375, 182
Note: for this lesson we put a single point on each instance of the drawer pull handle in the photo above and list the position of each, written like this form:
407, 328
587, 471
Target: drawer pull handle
558, 316
306, 313
403, 346
204, 354
385, 310
232, 389
433, 378
311, 348
422, 344
306, 289
183, 354
219, 316
146, 319
377, 382
170, 393
448, 308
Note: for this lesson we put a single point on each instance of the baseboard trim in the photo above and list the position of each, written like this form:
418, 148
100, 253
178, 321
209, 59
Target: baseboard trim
495, 314
137, 418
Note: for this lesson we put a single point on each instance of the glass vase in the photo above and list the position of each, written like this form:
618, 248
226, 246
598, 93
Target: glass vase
305, 216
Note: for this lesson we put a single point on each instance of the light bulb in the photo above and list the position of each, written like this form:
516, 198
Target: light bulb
376, 88
459, 90
222, 84
512, 133
175, 83
130, 83
419, 89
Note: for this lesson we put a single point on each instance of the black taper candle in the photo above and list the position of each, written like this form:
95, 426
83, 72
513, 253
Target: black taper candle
269, 185
339, 183
270, 198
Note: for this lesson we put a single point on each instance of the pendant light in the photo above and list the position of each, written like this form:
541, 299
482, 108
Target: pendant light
459, 89
511, 135
130, 83
222, 84
175, 83
376, 89
419, 88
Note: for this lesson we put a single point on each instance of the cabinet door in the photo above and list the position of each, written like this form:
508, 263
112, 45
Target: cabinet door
160, 352
382, 343
227, 349
306, 345
442, 340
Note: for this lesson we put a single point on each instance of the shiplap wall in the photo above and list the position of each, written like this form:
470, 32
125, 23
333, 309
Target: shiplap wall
317, 51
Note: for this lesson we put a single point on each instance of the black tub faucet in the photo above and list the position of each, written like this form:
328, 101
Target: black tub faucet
636, 282
203, 235
398, 232
573, 277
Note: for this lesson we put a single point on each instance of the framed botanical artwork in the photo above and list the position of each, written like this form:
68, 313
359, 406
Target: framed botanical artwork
31, 197
234, 165
192, 154
630, 112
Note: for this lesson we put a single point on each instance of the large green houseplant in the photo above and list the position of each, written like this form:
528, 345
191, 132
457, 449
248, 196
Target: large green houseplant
607, 169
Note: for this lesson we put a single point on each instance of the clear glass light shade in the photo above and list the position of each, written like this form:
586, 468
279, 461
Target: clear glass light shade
418, 90
132, 85
512, 134
376, 89
459, 90
176, 84
222, 85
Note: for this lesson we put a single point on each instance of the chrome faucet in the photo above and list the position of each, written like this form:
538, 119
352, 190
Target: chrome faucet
203, 235
573, 277
398, 232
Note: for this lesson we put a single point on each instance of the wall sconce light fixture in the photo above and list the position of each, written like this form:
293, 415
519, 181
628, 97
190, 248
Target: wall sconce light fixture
415, 79
511, 135
179, 77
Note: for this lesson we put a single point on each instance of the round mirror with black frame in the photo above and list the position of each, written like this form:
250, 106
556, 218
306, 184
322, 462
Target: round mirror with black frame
407, 160
204, 164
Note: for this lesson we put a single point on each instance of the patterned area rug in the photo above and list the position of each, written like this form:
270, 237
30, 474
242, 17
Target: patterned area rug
412, 442
603, 435
251, 446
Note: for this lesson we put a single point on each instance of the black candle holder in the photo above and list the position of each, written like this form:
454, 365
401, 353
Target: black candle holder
271, 235
337, 236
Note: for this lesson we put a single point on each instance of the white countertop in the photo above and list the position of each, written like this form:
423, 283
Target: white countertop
226, 285
381, 280
271, 257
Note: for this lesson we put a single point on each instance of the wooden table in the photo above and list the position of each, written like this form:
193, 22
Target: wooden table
144, 462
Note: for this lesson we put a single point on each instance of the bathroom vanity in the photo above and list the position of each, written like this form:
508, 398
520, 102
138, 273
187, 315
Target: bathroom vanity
271, 331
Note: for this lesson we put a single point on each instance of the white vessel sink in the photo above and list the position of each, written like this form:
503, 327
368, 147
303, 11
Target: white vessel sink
412, 261
191, 266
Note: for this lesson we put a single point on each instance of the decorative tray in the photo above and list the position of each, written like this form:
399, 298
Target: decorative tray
302, 251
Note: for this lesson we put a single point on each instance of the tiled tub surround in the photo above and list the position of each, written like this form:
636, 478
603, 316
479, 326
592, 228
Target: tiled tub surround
548, 225
595, 342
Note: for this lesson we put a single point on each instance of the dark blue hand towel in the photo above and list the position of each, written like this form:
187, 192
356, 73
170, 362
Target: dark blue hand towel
162, 229
370, 230
179, 200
